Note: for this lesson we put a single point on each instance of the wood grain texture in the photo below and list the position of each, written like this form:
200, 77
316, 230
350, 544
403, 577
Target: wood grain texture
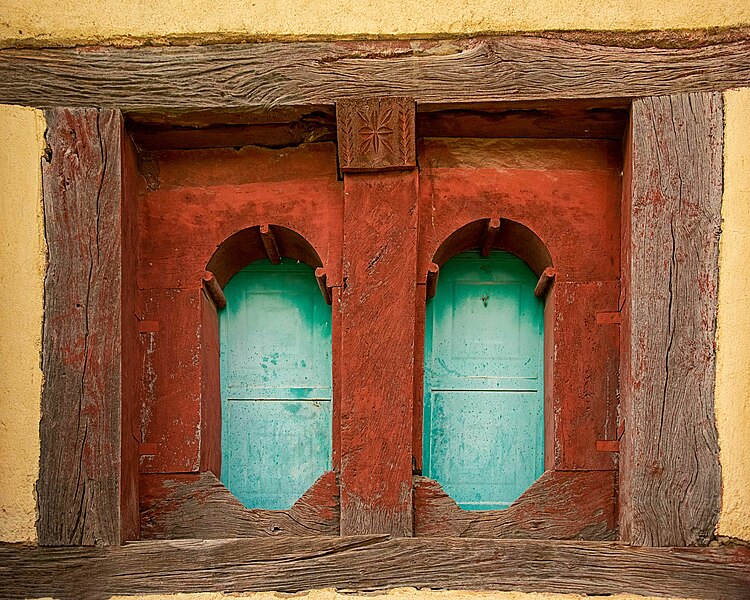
318, 126
82, 470
588, 118
200, 507
378, 304
130, 345
210, 442
256, 77
602, 119
373, 563
560, 505
671, 477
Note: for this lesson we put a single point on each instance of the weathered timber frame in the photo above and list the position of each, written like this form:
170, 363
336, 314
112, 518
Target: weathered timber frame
670, 490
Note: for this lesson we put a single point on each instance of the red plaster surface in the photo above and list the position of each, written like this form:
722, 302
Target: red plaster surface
210, 441
171, 380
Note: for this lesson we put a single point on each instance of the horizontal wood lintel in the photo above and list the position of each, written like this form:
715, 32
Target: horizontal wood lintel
436, 73
372, 563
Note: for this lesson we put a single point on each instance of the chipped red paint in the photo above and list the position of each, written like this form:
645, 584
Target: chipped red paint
210, 440
171, 383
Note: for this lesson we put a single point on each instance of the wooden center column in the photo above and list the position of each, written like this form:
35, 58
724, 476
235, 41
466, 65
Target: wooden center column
376, 144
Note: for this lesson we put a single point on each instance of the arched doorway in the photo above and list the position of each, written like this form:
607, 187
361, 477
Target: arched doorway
275, 383
483, 438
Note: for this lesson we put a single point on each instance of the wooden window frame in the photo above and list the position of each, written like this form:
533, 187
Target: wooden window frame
668, 353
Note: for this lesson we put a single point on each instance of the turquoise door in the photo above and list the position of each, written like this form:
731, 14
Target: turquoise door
275, 384
484, 394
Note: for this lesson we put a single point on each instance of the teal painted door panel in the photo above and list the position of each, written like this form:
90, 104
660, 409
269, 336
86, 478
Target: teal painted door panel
485, 447
276, 333
484, 396
275, 449
276, 384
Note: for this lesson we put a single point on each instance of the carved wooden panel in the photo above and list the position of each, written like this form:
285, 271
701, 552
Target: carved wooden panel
376, 134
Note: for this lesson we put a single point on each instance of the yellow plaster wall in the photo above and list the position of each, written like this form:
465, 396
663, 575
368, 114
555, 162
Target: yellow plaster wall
22, 264
66, 22
733, 333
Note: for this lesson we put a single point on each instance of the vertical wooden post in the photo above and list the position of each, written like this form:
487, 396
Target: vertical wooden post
670, 490
87, 488
212, 300
378, 301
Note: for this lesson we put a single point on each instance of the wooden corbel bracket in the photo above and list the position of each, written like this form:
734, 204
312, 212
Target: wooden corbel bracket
213, 289
321, 278
269, 243
490, 235
433, 272
546, 279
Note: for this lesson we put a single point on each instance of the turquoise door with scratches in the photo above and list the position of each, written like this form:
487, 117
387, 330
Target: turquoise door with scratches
483, 438
275, 384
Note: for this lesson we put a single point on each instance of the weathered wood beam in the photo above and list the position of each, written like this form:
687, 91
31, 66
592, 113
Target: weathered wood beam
670, 492
378, 304
192, 506
89, 460
599, 118
372, 563
561, 505
450, 73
